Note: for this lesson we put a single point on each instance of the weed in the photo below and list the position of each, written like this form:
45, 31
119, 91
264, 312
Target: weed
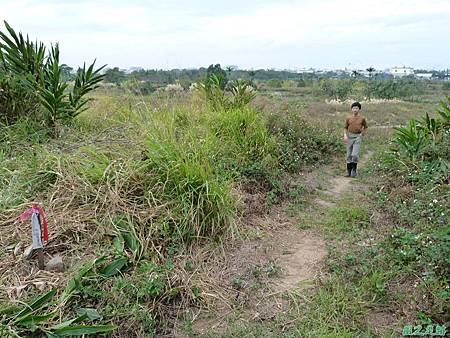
238, 283
273, 269
346, 220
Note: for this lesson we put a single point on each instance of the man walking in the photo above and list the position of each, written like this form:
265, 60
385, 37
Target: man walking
355, 127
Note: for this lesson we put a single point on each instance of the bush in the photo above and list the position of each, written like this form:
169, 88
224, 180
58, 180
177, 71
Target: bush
393, 88
17, 100
138, 87
342, 89
301, 142
275, 83
336, 89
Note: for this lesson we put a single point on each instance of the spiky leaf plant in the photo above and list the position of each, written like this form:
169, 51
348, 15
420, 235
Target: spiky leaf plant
42, 72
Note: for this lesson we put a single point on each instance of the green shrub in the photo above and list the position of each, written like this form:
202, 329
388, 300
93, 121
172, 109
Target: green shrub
17, 100
338, 89
446, 86
275, 83
302, 142
394, 88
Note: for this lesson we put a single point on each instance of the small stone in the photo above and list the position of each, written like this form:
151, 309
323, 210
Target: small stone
28, 252
55, 264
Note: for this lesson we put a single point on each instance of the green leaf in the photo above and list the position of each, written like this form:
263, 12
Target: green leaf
36, 305
131, 241
118, 244
31, 319
83, 329
67, 323
75, 282
114, 267
92, 314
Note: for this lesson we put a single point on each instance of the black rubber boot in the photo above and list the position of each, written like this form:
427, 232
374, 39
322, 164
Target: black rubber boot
353, 172
349, 169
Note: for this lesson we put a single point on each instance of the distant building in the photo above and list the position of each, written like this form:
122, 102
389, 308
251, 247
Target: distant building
424, 76
133, 69
305, 71
401, 71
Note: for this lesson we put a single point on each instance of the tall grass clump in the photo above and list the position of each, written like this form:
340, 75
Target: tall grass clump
183, 173
247, 150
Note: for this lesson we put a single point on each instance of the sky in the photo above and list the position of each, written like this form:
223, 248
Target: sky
251, 34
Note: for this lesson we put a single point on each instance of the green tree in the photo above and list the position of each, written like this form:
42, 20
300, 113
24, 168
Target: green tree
370, 87
67, 73
115, 75
185, 81
371, 70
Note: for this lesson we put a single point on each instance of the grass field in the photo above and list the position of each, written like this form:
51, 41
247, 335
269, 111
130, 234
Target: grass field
171, 219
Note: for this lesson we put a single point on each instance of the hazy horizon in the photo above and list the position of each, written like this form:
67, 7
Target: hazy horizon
257, 34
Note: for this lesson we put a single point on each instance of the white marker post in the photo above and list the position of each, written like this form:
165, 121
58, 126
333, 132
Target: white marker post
36, 235
39, 231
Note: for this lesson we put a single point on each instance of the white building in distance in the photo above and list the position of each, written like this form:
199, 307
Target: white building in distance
401, 71
425, 76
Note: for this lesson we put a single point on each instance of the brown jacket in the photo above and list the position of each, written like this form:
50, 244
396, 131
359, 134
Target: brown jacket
355, 124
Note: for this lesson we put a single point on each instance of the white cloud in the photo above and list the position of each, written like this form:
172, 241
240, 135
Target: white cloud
261, 34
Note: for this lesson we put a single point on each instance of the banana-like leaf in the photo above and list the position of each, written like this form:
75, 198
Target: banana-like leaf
75, 283
32, 319
84, 314
445, 112
114, 267
83, 329
36, 305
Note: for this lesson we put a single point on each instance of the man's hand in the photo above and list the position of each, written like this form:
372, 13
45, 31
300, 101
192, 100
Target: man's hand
345, 138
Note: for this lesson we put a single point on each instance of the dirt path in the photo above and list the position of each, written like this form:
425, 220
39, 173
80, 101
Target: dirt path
340, 184
308, 249
297, 253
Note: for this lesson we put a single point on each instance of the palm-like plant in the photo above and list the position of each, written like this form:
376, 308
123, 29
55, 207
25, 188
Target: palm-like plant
444, 112
86, 81
20, 55
430, 126
23, 58
243, 93
52, 90
411, 138
214, 94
